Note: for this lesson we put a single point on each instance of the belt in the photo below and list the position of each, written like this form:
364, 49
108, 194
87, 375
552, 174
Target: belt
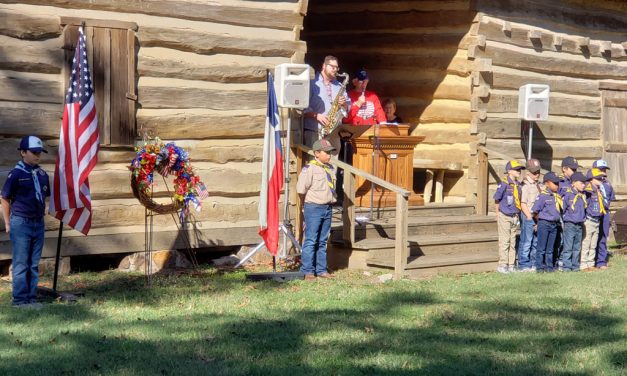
510, 215
594, 219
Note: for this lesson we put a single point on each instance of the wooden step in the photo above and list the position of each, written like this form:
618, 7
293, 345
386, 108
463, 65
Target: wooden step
457, 241
430, 210
434, 261
386, 228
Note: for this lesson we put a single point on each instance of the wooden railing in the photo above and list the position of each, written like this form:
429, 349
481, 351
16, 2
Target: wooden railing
401, 249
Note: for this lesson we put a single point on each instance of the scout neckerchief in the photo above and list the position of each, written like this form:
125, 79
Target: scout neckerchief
600, 197
559, 203
516, 193
328, 171
578, 195
34, 172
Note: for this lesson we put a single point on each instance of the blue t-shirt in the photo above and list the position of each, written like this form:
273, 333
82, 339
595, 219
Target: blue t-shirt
574, 206
546, 206
19, 189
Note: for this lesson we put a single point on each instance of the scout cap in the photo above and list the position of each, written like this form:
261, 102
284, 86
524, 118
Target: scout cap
600, 163
578, 176
361, 75
323, 145
570, 162
514, 165
533, 165
33, 144
595, 173
550, 176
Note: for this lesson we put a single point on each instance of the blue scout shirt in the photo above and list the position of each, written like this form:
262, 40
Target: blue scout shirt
563, 185
20, 190
548, 205
608, 193
596, 207
319, 99
508, 195
574, 206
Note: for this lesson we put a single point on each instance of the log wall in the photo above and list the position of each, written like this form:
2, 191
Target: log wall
201, 70
414, 52
571, 46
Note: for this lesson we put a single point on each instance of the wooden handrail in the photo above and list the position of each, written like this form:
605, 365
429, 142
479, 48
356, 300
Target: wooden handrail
401, 250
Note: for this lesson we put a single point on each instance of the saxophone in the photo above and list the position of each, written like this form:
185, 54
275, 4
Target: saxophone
336, 112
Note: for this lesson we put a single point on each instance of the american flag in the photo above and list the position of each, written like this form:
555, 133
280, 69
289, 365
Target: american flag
202, 191
78, 147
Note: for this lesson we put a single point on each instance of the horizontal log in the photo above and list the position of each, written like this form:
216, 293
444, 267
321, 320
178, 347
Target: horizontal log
615, 102
506, 78
576, 17
545, 40
391, 20
448, 87
616, 147
385, 41
439, 133
201, 123
163, 62
613, 85
30, 87
205, 42
172, 93
553, 63
20, 119
504, 101
274, 15
91, 22
548, 149
458, 153
113, 240
26, 26
436, 111
554, 129
31, 56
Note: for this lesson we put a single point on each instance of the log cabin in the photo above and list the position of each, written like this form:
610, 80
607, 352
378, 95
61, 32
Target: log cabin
193, 72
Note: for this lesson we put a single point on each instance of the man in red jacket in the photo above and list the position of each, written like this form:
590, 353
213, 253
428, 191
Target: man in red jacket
365, 105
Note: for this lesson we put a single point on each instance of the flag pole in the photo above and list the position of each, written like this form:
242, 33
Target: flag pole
57, 258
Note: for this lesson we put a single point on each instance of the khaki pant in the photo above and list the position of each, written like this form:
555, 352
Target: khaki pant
589, 244
508, 226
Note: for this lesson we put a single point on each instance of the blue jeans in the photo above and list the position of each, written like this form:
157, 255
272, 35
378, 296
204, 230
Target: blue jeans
317, 229
602, 245
571, 253
527, 244
547, 232
27, 239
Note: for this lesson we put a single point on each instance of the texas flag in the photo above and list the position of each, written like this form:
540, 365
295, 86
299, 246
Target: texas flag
271, 174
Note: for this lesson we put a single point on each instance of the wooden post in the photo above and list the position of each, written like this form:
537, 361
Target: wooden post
428, 185
439, 186
481, 206
400, 244
348, 209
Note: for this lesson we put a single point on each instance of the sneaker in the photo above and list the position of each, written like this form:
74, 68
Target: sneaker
512, 269
602, 267
502, 269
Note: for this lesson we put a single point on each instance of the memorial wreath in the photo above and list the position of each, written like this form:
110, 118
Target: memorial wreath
166, 159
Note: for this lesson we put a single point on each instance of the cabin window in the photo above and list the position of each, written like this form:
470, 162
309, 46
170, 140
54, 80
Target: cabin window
111, 50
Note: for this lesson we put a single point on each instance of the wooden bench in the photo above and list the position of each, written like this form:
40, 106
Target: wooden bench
435, 170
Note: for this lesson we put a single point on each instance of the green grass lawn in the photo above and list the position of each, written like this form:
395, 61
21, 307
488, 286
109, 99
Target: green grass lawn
214, 323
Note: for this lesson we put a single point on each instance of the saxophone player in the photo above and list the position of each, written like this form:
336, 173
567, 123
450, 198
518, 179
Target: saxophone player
324, 89
366, 107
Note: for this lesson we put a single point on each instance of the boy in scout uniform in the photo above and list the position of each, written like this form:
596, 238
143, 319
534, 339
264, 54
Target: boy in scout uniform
608, 196
594, 215
507, 200
548, 210
316, 188
23, 207
575, 203
528, 239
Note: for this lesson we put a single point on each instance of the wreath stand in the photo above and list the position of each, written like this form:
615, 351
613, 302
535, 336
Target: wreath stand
153, 209
285, 227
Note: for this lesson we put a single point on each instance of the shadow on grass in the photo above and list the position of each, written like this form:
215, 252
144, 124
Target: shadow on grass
389, 333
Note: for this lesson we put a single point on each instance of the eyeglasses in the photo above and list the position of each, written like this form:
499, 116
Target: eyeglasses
334, 66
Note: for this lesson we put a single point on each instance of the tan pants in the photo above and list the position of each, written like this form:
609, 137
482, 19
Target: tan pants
507, 239
589, 244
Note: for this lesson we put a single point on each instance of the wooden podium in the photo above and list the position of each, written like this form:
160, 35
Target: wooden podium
386, 151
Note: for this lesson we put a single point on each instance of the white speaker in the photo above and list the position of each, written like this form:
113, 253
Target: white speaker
291, 83
533, 102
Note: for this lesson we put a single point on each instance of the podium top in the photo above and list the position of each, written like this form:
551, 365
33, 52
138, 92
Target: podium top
382, 130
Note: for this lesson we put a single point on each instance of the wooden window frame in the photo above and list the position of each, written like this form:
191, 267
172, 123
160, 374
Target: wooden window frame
125, 132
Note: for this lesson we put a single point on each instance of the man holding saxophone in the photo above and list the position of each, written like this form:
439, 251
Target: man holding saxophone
325, 89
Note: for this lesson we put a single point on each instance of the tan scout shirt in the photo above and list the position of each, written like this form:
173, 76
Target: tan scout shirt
530, 191
312, 182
